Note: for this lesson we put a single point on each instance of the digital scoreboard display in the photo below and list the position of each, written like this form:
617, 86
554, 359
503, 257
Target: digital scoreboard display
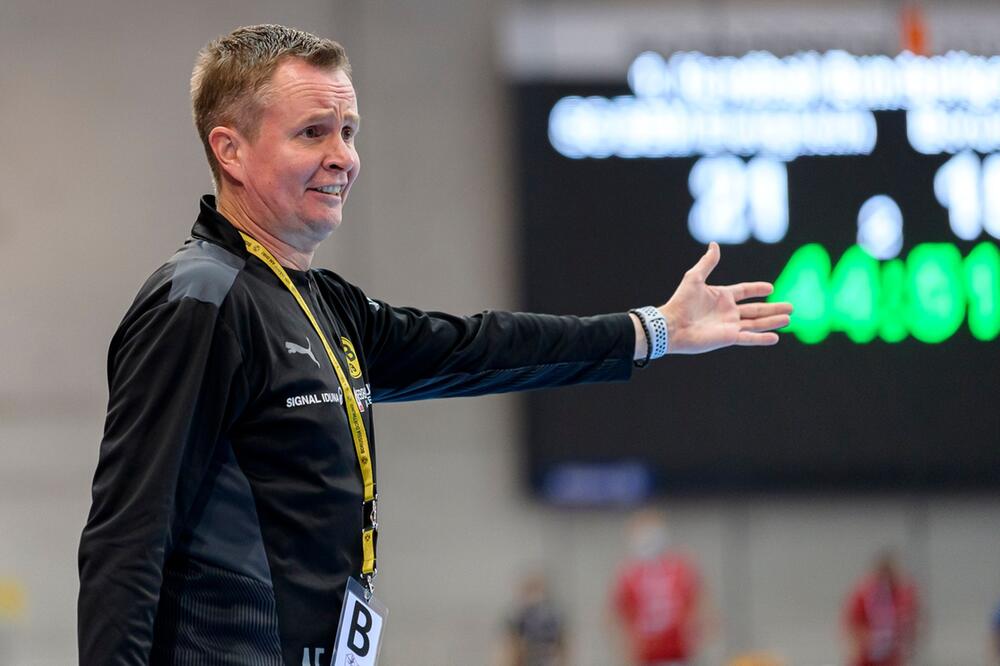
867, 188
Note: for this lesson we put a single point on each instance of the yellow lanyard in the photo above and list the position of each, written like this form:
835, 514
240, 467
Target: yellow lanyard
358, 432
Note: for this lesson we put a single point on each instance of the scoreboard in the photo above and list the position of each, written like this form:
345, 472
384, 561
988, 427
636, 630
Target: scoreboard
867, 188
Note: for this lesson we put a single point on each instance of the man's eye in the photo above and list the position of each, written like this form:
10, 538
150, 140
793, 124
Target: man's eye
349, 132
311, 132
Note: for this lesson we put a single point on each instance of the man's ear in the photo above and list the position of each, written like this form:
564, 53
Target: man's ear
227, 145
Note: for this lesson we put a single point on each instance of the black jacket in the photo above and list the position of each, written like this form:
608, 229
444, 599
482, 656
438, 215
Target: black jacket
227, 502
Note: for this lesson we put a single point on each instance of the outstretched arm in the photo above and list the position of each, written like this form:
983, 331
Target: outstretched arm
702, 317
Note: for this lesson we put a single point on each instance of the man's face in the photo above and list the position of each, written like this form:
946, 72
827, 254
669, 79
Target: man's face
299, 169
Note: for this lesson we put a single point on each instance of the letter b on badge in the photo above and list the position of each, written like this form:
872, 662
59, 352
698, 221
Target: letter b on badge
361, 623
359, 633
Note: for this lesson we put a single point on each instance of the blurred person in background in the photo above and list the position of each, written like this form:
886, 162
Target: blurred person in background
235, 491
657, 601
756, 659
12, 608
536, 630
881, 616
995, 636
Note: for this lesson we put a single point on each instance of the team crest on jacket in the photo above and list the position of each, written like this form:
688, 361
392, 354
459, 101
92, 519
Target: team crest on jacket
353, 366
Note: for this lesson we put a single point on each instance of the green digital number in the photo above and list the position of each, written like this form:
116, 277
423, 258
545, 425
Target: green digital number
927, 296
936, 304
982, 280
804, 282
892, 304
854, 295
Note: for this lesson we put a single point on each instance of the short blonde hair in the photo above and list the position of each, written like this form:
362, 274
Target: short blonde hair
231, 75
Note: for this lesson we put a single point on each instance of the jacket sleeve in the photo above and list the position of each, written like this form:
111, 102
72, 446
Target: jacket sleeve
175, 383
414, 355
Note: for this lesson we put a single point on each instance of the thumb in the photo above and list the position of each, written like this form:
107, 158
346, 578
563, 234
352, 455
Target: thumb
708, 261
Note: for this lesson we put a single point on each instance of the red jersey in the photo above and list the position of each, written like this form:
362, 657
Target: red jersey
656, 600
886, 617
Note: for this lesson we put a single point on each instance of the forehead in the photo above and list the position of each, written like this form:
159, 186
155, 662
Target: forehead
297, 87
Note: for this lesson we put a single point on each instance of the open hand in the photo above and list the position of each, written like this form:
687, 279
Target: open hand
701, 317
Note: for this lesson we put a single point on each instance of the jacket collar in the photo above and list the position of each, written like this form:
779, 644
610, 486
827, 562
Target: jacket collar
213, 226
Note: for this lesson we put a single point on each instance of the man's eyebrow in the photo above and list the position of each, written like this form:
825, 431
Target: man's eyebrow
350, 117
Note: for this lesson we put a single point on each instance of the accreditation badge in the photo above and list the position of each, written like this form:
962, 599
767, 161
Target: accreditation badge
359, 632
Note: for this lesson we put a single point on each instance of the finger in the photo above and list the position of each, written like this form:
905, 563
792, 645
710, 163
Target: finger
757, 310
707, 263
750, 290
750, 339
765, 323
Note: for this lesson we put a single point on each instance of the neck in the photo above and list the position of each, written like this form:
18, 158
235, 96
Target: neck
287, 254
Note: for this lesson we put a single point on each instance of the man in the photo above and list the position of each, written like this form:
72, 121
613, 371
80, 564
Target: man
881, 616
235, 492
536, 632
656, 600
995, 635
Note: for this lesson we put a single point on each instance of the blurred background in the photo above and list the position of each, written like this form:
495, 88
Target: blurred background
782, 473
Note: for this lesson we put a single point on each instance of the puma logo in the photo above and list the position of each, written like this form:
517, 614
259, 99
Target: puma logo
299, 349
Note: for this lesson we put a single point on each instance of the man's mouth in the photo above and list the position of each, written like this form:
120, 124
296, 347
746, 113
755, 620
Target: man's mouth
335, 190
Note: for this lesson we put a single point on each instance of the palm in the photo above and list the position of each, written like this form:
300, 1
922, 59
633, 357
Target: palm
703, 317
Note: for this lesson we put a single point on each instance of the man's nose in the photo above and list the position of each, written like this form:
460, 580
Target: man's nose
341, 157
